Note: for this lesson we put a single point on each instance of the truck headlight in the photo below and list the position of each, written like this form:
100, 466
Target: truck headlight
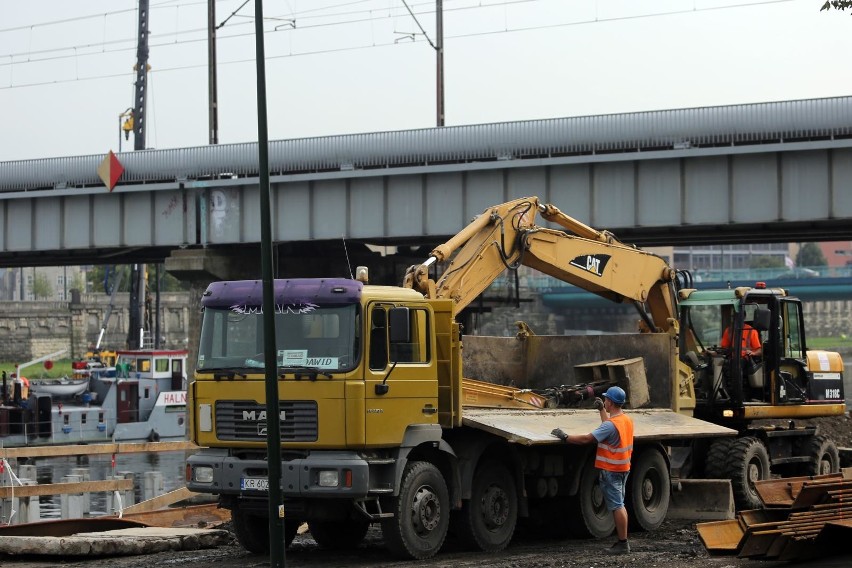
204, 474
329, 478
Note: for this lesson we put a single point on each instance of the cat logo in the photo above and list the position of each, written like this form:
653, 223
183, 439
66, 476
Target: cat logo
594, 263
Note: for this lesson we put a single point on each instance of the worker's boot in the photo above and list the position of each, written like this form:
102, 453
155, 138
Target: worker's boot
620, 547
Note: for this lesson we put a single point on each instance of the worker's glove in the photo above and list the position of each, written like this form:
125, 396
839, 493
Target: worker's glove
599, 403
560, 433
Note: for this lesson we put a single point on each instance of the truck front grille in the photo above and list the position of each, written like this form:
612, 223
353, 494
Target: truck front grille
245, 420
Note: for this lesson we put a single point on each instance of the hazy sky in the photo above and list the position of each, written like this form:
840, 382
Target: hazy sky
66, 68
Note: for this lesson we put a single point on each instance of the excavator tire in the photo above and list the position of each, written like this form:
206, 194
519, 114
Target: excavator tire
717, 457
823, 454
747, 462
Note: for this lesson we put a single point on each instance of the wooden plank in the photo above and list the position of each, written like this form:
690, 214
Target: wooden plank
96, 449
530, 427
161, 501
66, 488
189, 516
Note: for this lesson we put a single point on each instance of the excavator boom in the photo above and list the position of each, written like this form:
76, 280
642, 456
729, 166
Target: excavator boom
506, 236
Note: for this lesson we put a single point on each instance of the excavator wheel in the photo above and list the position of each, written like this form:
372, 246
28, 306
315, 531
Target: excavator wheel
823, 455
747, 462
717, 457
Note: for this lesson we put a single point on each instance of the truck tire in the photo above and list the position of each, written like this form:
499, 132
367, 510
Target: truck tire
717, 458
596, 520
338, 535
823, 454
421, 513
487, 521
748, 461
648, 490
252, 531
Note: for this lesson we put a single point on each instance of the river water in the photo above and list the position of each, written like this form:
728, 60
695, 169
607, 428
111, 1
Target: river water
100, 467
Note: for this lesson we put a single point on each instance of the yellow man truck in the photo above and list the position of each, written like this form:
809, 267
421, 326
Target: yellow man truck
379, 425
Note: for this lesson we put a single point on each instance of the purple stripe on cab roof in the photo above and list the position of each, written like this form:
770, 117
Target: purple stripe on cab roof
297, 291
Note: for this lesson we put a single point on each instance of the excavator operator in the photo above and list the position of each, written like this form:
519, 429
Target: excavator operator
751, 346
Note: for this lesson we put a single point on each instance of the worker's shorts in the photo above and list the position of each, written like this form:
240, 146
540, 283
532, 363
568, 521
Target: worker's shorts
613, 486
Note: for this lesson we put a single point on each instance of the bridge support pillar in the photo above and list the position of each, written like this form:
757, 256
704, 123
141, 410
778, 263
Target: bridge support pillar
199, 267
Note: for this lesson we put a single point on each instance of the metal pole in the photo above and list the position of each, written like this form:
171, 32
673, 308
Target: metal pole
141, 78
157, 308
439, 50
213, 118
273, 436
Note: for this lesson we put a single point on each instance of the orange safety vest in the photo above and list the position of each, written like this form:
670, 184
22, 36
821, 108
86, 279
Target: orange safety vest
617, 458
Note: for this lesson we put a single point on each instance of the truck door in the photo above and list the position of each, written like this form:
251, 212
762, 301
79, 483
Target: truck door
401, 377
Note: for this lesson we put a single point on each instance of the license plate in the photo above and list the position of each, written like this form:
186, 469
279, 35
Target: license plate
254, 484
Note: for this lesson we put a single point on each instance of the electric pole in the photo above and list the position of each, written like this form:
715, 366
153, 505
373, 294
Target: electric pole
439, 51
141, 78
211, 72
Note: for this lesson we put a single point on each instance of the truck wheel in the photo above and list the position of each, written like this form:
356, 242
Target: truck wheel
648, 491
717, 457
597, 521
487, 521
823, 455
748, 461
338, 535
252, 531
421, 513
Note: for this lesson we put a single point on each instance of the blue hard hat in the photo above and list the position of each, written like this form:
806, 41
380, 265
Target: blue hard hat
616, 395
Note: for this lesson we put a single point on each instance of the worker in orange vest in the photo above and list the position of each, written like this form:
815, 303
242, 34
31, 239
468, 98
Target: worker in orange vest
614, 438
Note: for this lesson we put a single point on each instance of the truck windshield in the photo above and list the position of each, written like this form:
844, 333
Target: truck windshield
320, 337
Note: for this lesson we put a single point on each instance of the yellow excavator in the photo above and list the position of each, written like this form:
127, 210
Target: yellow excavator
788, 382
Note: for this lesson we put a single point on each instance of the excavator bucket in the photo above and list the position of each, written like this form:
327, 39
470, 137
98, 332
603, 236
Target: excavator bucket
702, 500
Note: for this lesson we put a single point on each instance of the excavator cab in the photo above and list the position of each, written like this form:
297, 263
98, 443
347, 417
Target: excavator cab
748, 350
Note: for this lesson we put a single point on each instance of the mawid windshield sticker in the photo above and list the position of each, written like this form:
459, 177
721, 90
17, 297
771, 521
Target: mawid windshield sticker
299, 358
594, 263
304, 308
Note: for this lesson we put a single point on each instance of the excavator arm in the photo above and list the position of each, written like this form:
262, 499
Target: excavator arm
506, 236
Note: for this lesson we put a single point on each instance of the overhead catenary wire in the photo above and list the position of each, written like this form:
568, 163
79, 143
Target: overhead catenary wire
223, 37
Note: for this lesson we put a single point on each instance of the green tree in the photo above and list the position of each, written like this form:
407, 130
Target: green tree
77, 282
766, 261
168, 283
40, 287
810, 255
837, 5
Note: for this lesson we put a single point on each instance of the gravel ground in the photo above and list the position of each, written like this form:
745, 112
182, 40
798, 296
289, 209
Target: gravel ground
675, 544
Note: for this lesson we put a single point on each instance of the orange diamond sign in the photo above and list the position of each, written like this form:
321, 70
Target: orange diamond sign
110, 170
